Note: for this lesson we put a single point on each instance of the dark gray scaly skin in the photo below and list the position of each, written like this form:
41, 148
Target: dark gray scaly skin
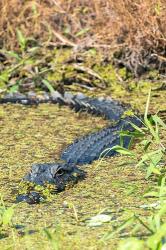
83, 150
90, 147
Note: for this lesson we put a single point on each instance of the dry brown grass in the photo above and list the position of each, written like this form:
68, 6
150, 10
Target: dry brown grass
137, 24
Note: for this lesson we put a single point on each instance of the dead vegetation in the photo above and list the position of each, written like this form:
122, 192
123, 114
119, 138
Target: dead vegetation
137, 29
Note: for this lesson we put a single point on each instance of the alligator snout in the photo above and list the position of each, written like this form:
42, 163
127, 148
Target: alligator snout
54, 175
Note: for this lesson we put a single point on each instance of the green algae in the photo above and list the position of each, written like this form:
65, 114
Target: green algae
113, 186
39, 134
63, 64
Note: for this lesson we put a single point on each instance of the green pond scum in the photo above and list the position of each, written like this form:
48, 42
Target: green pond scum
39, 134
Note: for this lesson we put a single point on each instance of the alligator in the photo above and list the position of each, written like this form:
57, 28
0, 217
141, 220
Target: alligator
83, 150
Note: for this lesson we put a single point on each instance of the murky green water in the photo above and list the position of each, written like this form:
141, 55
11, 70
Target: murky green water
36, 135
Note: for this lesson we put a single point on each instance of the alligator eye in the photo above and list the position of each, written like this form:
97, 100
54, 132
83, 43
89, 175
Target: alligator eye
60, 172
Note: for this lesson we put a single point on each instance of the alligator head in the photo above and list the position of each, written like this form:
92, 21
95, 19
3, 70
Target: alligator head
58, 175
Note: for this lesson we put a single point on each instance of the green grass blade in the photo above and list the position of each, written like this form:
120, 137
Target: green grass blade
147, 105
48, 85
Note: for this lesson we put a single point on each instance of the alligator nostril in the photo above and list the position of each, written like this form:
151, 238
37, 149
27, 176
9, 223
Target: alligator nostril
30, 198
